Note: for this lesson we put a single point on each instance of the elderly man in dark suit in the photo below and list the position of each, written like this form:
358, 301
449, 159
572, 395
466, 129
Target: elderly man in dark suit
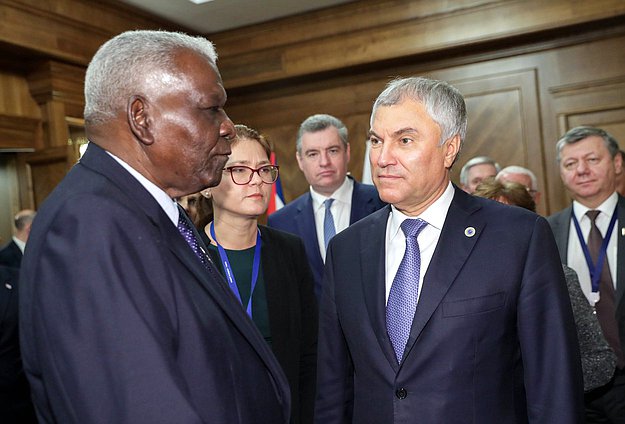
124, 319
335, 199
435, 308
11, 254
590, 229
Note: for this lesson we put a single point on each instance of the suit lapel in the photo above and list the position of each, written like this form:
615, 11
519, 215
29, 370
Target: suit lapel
373, 240
562, 225
306, 225
620, 249
452, 250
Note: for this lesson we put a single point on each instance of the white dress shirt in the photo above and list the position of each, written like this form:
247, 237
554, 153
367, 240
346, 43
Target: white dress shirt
340, 209
575, 254
428, 237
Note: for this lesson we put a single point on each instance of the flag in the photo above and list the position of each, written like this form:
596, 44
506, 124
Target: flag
366, 166
276, 200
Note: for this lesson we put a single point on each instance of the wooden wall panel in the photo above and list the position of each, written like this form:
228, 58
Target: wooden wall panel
15, 98
385, 31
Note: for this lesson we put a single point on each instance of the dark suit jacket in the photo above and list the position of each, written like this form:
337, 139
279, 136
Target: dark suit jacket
561, 223
11, 255
15, 404
492, 341
121, 323
293, 315
298, 218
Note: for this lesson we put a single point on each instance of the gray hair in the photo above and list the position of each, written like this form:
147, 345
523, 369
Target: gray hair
478, 160
320, 122
514, 169
576, 134
23, 218
120, 66
443, 102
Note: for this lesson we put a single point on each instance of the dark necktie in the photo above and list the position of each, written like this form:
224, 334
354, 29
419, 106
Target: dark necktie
606, 306
402, 299
184, 226
328, 223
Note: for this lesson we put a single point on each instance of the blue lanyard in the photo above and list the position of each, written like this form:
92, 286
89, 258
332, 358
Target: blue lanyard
595, 269
230, 275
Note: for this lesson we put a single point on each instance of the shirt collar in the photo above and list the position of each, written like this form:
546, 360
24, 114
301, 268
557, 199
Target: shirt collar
607, 207
434, 215
167, 203
342, 194
19, 243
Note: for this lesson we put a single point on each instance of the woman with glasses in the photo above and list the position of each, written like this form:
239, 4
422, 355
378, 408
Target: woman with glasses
266, 269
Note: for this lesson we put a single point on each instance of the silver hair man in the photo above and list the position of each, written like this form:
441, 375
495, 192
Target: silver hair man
112, 78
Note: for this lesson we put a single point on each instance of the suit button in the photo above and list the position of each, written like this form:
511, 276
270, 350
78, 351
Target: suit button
401, 393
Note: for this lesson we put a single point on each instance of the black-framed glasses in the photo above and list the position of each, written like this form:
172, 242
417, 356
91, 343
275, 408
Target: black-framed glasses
242, 174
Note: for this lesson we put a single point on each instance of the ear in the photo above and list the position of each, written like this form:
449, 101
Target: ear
347, 149
139, 119
206, 193
618, 164
452, 147
299, 161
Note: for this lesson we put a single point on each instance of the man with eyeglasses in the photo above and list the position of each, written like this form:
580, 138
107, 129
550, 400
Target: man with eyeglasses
523, 176
335, 200
589, 159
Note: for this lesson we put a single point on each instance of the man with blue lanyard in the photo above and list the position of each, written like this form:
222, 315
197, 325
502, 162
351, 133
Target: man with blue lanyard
591, 239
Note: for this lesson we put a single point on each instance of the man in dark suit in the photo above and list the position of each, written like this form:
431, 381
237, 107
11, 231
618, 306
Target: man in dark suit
323, 156
15, 404
589, 159
123, 317
435, 308
11, 254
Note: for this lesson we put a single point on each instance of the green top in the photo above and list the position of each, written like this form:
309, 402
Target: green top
242, 262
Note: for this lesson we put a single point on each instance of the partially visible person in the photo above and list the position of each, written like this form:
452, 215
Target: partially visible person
598, 359
15, 404
588, 160
442, 307
204, 210
11, 253
521, 175
620, 175
475, 170
123, 318
266, 269
335, 199
510, 193
190, 204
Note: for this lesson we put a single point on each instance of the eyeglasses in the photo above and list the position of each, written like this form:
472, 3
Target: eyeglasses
242, 175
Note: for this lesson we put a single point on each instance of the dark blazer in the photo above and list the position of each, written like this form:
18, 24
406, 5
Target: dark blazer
121, 323
293, 315
561, 223
15, 404
493, 339
11, 255
298, 218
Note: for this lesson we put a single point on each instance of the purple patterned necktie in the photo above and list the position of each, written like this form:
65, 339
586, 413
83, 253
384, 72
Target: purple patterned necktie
187, 232
402, 299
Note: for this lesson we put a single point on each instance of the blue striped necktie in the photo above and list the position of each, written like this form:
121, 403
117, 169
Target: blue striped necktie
328, 223
402, 299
